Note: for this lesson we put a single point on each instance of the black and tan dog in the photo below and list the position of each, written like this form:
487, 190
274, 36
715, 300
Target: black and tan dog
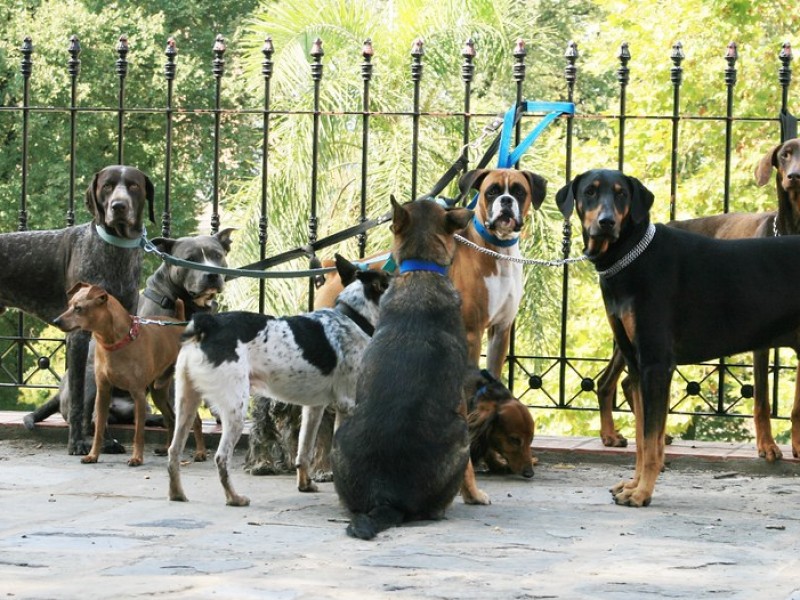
39, 267
404, 454
785, 160
675, 297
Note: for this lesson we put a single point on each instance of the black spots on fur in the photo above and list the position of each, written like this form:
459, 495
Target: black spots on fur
219, 335
310, 336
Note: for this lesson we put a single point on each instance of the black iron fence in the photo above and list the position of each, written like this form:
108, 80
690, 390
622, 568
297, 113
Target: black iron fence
561, 380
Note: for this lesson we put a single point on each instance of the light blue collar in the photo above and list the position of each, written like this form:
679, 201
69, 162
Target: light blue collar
407, 266
490, 237
118, 241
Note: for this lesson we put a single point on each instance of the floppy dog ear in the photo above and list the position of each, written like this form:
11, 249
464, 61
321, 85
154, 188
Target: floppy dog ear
74, 289
347, 270
472, 180
150, 194
764, 166
480, 422
565, 197
91, 199
538, 187
642, 199
163, 244
457, 219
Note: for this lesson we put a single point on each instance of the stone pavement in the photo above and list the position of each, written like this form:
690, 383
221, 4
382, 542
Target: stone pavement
730, 529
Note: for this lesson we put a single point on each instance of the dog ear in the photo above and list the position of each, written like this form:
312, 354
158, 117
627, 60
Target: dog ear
457, 219
565, 197
480, 422
347, 270
150, 194
400, 218
472, 180
642, 199
163, 244
224, 237
538, 187
74, 289
764, 166
91, 199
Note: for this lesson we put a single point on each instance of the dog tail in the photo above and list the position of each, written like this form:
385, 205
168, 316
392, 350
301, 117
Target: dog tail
367, 525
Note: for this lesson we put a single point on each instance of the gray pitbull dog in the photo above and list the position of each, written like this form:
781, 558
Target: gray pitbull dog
40, 266
197, 289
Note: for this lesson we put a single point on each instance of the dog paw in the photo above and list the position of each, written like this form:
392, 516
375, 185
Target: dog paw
323, 476
200, 456
79, 448
113, 447
89, 459
478, 497
28, 421
238, 501
632, 497
135, 461
770, 452
616, 440
160, 451
309, 487
178, 498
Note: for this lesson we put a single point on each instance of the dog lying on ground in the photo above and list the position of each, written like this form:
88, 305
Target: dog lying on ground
39, 267
674, 297
130, 354
499, 426
169, 283
404, 453
785, 159
312, 360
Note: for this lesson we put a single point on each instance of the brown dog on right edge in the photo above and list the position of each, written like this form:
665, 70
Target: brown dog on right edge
130, 354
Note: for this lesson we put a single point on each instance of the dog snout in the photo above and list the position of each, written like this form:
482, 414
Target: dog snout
793, 177
607, 221
527, 472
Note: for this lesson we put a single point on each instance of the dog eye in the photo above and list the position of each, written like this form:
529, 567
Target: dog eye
134, 186
493, 190
590, 191
515, 441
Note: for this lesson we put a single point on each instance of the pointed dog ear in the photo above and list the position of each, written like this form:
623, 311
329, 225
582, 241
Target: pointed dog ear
400, 218
347, 270
538, 188
764, 166
565, 197
642, 200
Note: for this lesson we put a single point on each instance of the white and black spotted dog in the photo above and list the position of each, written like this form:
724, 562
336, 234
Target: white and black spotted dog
312, 360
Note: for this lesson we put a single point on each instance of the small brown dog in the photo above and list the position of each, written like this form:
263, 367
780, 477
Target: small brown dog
131, 354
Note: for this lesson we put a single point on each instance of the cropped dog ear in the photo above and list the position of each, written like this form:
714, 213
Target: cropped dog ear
538, 187
457, 219
347, 270
764, 166
400, 218
224, 237
565, 197
472, 180
642, 199
150, 194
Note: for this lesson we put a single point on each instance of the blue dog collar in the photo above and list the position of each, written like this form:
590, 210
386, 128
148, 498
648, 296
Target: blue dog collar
490, 237
408, 266
118, 241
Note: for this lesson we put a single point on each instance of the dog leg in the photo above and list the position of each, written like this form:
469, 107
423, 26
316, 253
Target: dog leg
497, 349
78, 419
140, 414
311, 419
102, 402
200, 451
187, 401
636, 406
606, 392
231, 432
470, 491
161, 398
765, 443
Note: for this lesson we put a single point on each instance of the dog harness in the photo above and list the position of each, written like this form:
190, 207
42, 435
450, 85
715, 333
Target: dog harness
133, 333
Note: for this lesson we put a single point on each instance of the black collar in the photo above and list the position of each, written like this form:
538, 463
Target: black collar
356, 317
164, 302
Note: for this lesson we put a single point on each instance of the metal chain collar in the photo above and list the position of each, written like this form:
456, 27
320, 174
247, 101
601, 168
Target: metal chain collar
518, 259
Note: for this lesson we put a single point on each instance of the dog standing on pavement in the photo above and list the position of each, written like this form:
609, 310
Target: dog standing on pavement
311, 360
404, 453
673, 297
39, 267
785, 160
130, 354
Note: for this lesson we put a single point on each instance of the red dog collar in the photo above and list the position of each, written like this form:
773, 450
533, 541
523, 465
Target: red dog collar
133, 333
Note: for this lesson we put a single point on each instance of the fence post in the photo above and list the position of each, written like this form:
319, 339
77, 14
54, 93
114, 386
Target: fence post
467, 74
218, 70
623, 76
316, 74
417, 51
171, 53
366, 75
263, 234
122, 72
74, 69
676, 75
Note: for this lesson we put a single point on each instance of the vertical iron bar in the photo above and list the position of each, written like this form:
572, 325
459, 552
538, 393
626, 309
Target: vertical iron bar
730, 81
74, 69
366, 74
518, 73
784, 78
417, 52
263, 223
171, 53
467, 74
676, 75
218, 69
122, 71
570, 76
26, 68
623, 76
316, 74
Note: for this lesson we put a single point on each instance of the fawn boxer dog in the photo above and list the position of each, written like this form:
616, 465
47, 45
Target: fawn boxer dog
131, 354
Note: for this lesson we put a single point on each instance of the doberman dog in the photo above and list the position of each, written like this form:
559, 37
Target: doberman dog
39, 267
131, 354
675, 297
785, 159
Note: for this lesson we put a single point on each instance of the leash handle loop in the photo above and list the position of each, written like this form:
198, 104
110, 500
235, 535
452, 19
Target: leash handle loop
505, 157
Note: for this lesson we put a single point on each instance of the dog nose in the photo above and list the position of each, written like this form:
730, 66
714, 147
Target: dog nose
527, 472
793, 176
607, 221
506, 201
118, 206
